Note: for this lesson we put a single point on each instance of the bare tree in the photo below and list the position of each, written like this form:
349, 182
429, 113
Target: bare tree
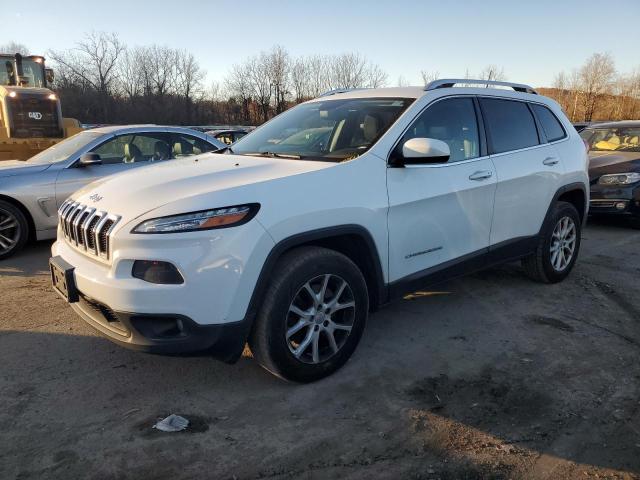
130, 79
319, 72
257, 68
94, 61
376, 77
402, 81
348, 70
492, 73
14, 47
596, 76
300, 81
238, 86
188, 83
429, 76
278, 69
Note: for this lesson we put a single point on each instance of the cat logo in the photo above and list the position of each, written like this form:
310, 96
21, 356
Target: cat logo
35, 115
95, 197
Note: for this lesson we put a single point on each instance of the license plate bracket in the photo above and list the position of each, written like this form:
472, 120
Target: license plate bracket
62, 279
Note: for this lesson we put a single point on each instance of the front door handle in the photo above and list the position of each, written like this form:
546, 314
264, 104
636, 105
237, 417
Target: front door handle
549, 161
481, 175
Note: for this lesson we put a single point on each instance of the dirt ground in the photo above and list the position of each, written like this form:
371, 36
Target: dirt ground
490, 376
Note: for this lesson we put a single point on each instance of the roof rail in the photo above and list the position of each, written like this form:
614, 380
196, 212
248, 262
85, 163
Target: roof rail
339, 90
451, 82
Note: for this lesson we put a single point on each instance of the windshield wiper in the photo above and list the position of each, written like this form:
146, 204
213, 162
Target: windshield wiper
274, 155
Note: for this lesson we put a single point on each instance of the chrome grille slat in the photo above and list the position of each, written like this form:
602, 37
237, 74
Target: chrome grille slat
86, 228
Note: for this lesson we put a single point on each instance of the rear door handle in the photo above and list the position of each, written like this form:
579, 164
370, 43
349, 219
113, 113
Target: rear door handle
550, 161
481, 175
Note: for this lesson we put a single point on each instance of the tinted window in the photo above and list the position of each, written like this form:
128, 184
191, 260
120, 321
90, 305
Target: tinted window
550, 124
453, 121
510, 124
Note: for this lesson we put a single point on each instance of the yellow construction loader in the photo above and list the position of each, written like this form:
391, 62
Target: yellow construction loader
30, 115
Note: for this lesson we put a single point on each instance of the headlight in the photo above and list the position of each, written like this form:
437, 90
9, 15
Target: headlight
202, 220
619, 179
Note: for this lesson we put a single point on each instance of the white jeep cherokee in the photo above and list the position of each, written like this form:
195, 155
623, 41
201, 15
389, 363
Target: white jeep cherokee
323, 214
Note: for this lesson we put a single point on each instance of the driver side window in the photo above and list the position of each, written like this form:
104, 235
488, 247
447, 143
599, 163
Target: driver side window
454, 122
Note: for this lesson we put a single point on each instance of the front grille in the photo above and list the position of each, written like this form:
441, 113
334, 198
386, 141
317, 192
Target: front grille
34, 116
87, 228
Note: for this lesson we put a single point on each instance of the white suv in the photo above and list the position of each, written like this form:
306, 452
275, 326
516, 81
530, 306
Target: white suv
327, 212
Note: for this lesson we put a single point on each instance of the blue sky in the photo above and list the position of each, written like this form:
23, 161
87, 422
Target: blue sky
532, 41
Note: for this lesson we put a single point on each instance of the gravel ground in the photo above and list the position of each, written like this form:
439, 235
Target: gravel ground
490, 376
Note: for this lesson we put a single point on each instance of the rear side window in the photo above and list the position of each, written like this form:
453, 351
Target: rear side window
550, 124
510, 124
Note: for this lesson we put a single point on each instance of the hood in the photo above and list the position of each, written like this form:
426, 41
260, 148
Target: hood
602, 163
133, 193
9, 168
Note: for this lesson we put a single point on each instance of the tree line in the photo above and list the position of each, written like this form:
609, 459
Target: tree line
102, 80
597, 91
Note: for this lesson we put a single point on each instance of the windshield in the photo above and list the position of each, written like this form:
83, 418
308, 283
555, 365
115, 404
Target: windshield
7, 71
63, 150
624, 139
33, 73
331, 130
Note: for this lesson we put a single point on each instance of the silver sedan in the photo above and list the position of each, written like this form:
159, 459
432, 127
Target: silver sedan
32, 191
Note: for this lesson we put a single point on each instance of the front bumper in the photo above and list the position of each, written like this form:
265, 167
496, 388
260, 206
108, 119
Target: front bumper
208, 313
621, 200
167, 334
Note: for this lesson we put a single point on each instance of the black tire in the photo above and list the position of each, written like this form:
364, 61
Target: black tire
635, 222
268, 341
12, 239
538, 265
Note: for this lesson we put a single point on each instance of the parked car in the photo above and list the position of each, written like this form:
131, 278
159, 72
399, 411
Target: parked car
291, 248
228, 136
32, 191
614, 168
580, 126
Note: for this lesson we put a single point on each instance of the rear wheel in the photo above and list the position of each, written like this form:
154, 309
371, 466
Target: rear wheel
14, 229
313, 315
558, 246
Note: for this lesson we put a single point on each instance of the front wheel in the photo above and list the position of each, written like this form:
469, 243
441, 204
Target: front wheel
558, 246
312, 316
14, 229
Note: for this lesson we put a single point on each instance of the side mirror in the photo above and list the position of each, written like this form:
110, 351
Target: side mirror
425, 150
48, 72
89, 159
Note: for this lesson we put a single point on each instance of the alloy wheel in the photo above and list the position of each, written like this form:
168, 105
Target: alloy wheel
320, 318
9, 231
563, 243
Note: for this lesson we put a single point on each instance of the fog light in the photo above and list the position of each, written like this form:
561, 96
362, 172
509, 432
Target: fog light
621, 205
154, 271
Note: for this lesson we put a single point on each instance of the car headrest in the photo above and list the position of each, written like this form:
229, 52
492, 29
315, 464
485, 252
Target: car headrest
161, 151
370, 127
182, 148
132, 153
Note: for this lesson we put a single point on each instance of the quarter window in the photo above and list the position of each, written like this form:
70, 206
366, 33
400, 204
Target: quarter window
550, 124
454, 122
510, 124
